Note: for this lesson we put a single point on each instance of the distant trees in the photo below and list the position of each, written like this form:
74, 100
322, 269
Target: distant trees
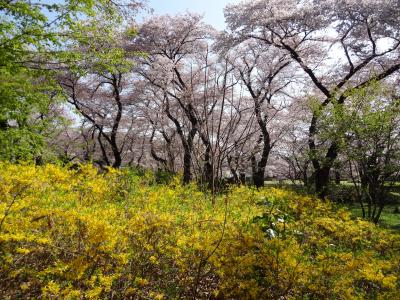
195, 91
96, 88
264, 73
339, 46
228, 98
172, 93
33, 39
176, 47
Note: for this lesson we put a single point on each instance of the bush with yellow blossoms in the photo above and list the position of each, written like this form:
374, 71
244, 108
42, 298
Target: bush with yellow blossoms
76, 234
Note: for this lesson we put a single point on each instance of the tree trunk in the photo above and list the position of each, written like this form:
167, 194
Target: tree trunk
322, 170
258, 178
117, 157
258, 169
114, 131
187, 157
321, 178
242, 177
186, 143
208, 170
187, 161
337, 177
233, 170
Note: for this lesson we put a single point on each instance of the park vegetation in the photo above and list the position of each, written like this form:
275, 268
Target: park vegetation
166, 159
73, 233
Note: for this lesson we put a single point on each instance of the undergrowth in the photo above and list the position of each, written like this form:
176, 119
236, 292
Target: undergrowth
76, 234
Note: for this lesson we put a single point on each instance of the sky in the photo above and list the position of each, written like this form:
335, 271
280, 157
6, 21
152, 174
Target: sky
212, 9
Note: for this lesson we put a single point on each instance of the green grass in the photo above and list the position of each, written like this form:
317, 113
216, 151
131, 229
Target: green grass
388, 218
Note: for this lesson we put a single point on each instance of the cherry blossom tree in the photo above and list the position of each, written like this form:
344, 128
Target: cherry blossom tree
172, 44
97, 84
340, 45
265, 73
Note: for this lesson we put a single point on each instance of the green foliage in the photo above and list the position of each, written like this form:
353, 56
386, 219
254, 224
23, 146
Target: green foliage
25, 92
366, 129
74, 233
34, 37
26, 97
163, 176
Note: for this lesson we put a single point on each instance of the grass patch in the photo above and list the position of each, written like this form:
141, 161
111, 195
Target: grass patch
389, 219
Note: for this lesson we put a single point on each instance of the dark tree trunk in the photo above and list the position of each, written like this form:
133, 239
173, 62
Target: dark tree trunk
258, 178
153, 152
208, 170
321, 177
322, 170
187, 144
114, 131
208, 175
187, 156
258, 169
170, 153
259, 96
111, 137
103, 149
187, 161
242, 177
233, 170
337, 177
117, 157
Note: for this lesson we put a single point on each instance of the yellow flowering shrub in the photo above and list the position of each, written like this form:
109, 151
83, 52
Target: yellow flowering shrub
77, 234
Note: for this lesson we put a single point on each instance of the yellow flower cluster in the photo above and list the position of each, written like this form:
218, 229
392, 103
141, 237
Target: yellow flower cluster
77, 234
